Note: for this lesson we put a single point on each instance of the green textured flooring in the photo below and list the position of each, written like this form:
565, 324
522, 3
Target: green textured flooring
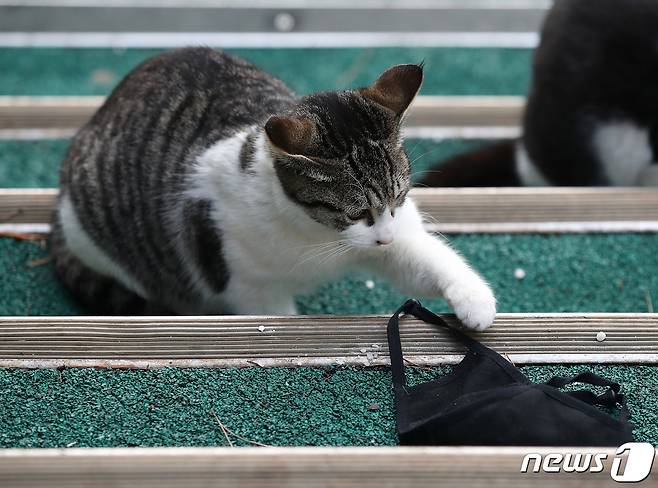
305, 406
172, 407
563, 273
567, 273
35, 164
449, 71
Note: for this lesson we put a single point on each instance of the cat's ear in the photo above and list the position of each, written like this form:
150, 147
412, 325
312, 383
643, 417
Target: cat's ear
291, 135
396, 88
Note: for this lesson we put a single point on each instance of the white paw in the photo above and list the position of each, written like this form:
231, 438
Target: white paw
473, 303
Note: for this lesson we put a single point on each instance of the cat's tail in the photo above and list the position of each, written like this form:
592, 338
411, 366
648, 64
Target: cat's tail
99, 294
491, 165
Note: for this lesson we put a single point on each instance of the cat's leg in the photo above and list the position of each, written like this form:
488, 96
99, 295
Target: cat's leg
98, 293
420, 264
275, 303
261, 299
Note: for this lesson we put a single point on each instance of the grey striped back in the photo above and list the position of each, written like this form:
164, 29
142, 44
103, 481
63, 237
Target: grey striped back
126, 169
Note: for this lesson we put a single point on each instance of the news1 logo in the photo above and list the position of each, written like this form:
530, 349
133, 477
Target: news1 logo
639, 460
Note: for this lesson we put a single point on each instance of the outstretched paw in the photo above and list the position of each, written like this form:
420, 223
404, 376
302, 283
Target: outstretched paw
474, 304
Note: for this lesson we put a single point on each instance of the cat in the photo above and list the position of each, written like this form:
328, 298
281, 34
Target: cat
203, 185
591, 117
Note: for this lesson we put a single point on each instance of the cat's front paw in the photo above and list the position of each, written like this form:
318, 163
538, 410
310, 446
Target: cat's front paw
473, 303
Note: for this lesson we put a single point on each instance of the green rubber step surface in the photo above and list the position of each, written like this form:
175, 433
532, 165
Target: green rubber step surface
449, 71
172, 407
35, 163
305, 406
564, 273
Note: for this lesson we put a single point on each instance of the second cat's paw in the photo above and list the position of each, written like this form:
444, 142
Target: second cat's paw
474, 304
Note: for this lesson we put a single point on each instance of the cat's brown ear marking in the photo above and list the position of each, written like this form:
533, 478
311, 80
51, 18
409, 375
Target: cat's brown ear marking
290, 135
396, 88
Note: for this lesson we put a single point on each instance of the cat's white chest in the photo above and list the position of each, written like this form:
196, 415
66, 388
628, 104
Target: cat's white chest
266, 237
624, 151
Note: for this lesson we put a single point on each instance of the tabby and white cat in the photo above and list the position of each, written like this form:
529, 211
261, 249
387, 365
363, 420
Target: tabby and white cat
204, 185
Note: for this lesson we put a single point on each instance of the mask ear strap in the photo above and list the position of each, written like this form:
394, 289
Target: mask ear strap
609, 398
585, 377
417, 310
395, 346
413, 307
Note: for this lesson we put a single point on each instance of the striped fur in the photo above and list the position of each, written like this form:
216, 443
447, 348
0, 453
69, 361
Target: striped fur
126, 168
204, 185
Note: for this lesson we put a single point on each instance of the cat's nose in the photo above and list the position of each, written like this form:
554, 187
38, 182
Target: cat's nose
384, 241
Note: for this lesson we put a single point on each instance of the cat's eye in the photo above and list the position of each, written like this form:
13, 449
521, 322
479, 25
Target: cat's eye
364, 215
361, 215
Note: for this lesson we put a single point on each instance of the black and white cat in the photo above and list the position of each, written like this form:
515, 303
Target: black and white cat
204, 185
592, 112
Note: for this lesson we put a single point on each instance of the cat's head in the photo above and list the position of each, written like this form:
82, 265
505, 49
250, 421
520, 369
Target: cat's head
339, 155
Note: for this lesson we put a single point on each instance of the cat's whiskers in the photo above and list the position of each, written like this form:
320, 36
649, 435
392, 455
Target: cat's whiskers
317, 244
337, 252
424, 172
322, 250
434, 149
430, 219
411, 151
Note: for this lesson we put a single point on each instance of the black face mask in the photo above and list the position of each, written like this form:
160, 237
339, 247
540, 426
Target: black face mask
485, 400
